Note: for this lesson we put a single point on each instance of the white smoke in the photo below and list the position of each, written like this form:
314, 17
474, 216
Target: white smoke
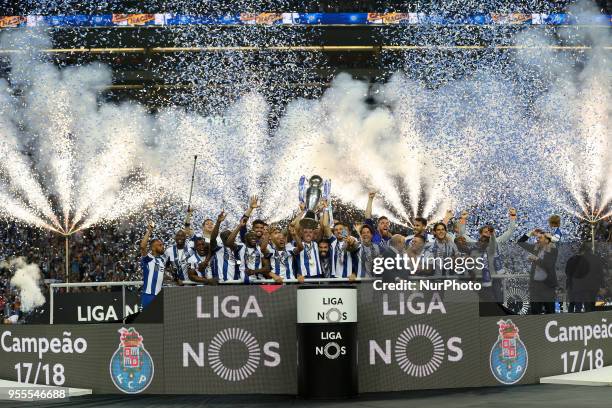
381, 148
83, 159
574, 127
27, 281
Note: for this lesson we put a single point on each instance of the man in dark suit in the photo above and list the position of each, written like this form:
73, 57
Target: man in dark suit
395, 248
584, 273
542, 276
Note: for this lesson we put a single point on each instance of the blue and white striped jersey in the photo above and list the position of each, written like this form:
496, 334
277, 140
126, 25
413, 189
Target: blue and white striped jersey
365, 259
282, 261
308, 261
194, 262
227, 263
556, 235
343, 261
153, 268
179, 258
251, 258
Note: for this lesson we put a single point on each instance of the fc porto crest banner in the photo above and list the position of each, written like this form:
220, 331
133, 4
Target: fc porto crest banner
509, 359
522, 349
108, 358
131, 368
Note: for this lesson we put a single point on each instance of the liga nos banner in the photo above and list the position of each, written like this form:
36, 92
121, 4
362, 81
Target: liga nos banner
417, 340
225, 339
242, 340
93, 307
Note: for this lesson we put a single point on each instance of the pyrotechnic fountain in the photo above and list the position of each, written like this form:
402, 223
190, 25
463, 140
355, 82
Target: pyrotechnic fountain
580, 149
591, 207
67, 164
23, 199
591, 184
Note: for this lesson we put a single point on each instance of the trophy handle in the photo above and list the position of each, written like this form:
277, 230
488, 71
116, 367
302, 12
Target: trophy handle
302, 189
326, 189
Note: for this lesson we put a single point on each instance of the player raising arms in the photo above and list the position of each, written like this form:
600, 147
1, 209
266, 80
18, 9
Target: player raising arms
202, 264
257, 226
342, 246
153, 264
199, 263
226, 255
255, 264
308, 259
382, 232
282, 255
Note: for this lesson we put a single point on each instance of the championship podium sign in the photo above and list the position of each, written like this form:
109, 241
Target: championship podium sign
327, 341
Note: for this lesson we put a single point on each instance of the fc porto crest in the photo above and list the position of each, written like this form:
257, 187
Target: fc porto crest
131, 367
508, 359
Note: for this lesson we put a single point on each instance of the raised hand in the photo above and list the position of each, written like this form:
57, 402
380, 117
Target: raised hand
265, 239
254, 202
512, 213
221, 217
371, 195
243, 222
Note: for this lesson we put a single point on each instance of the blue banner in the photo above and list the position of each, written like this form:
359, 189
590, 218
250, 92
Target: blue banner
424, 19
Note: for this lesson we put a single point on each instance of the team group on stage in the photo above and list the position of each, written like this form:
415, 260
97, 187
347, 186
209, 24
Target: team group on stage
329, 250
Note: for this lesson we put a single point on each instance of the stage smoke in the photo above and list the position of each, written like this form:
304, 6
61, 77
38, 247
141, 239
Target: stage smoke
26, 279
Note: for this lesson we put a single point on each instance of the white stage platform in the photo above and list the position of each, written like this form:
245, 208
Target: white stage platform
597, 378
72, 392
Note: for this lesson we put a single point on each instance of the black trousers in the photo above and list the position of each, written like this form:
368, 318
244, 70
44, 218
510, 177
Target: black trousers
576, 307
543, 298
489, 304
582, 298
538, 307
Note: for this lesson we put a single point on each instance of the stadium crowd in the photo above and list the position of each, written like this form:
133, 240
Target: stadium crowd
340, 245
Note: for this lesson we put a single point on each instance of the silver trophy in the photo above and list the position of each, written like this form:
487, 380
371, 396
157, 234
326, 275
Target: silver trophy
311, 196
